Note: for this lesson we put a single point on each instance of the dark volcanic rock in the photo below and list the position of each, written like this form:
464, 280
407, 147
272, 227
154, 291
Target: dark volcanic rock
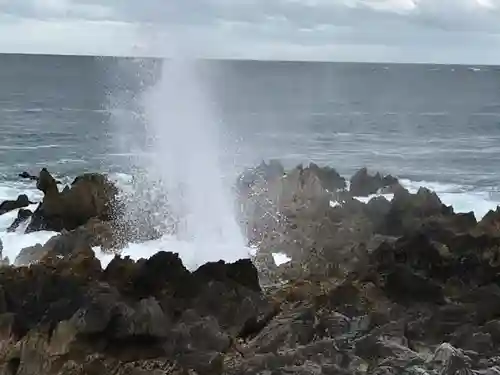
90, 196
153, 312
401, 287
20, 202
363, 184
22, 216
330, 179
93, 233
28, 176
490, 223
409, 212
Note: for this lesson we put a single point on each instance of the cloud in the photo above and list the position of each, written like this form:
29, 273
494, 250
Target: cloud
368, 30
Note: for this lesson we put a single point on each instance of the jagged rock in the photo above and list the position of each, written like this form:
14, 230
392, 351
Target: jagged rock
363, 184
90, 196
330, 179
242, 272
63, 307
262, 173
490, 223
22, 216
28, 176
409, 212
93, 233
452, 361
21, 201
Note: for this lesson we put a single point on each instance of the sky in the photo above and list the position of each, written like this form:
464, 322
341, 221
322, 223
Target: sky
439, 31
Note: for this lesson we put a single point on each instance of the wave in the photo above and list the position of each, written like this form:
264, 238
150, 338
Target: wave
462, 198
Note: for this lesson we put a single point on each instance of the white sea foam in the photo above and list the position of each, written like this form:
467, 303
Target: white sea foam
280, 258
389, 197
461, 198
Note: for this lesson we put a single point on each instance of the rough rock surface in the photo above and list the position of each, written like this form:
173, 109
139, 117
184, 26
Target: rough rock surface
11, 205
22, 216
90, 196
364, 184
400, 287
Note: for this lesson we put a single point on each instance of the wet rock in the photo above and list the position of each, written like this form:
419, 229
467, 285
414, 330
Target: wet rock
28, 176
29, 255
330, 179
288, 330
363, 184
22, 216
11, 205
490, 223
264, 172
90, 196
452, 361
409, 212
243, 272
94, 233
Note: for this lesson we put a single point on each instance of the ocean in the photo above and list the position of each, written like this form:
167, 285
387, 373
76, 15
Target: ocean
431, 125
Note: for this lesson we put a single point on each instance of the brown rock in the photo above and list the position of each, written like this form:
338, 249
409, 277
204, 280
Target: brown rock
21, 201
90, 196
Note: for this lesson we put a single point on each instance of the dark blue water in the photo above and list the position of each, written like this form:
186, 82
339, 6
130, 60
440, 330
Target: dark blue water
422, 122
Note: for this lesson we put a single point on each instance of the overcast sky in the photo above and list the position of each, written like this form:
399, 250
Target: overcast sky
443, 31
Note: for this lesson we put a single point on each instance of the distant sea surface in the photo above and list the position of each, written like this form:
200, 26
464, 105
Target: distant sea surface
431, 125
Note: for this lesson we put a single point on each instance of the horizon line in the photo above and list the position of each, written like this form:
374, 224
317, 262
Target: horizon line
263, 60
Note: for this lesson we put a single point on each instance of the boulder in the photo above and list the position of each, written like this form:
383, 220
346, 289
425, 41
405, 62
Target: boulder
363, 184
90, 196
11, 205
28, 176
94, 233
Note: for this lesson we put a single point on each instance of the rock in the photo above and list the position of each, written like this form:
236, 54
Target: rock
363, 184
22, 216
288, 330
262, 173
94, 233
243, 272
28, 176
90, 196
65, 306
31, 254
451, 361
370, 289
329, 177
410, 212
21, 201
490, 223
145, 319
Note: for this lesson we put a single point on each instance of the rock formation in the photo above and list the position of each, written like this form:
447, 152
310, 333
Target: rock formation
89, 196
406, 286
11, 205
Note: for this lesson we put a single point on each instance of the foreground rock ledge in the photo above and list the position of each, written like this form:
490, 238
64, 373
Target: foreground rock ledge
68, 316
408, 310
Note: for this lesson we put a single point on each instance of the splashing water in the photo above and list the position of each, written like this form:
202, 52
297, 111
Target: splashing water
183, 162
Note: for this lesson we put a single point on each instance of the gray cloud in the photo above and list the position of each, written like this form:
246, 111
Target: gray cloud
396, 30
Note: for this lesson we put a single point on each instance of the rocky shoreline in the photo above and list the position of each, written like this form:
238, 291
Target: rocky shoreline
405, 286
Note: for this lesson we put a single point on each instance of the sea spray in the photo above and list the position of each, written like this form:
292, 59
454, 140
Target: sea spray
181, 167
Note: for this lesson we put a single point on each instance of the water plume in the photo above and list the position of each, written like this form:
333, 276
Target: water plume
183, 162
